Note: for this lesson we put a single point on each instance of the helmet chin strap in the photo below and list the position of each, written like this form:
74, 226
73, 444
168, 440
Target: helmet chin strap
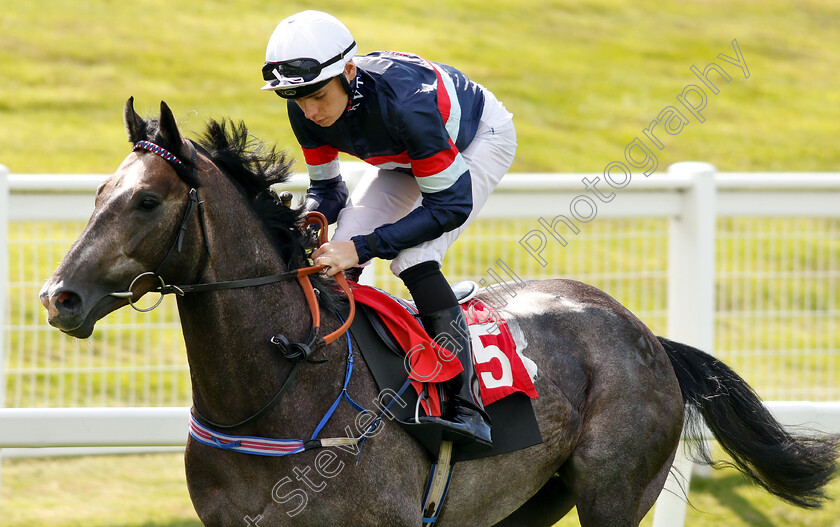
349, 88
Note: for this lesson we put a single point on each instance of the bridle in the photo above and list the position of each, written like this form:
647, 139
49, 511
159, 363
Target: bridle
298, 352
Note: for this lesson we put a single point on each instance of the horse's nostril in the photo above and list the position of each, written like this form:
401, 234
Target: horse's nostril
68, 301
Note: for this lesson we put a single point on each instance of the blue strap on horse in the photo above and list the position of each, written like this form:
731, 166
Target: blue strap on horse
346, 395
385, 410
343, 395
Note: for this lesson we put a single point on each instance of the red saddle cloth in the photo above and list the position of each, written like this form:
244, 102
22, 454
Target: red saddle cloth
499, 367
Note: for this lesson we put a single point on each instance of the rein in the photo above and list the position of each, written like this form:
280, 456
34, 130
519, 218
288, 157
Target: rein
297, 352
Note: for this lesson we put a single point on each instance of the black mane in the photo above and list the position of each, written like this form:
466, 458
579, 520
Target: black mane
253, 167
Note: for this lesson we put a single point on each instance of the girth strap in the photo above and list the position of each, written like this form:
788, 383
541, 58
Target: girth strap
438, 484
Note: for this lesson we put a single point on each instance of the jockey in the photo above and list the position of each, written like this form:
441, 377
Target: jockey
439, 144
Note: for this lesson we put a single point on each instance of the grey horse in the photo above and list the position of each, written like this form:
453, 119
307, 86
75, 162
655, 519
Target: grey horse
612, 396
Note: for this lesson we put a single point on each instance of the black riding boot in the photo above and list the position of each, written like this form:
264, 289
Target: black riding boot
468, 425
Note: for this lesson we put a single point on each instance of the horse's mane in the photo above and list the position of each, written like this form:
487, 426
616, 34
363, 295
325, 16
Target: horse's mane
254, 167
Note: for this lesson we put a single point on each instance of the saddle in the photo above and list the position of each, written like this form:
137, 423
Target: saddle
507, 403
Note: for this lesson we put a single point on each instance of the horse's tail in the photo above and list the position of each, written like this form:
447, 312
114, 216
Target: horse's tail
793, 468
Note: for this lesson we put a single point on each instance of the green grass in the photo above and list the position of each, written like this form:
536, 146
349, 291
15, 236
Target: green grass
109, 491
583, 79
150, 491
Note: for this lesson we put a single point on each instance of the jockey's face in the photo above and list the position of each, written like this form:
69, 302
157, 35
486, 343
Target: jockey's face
326, 105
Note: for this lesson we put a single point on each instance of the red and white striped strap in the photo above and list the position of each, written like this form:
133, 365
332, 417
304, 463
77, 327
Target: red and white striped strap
261, 446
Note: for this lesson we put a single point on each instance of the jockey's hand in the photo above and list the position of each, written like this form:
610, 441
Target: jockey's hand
337, 256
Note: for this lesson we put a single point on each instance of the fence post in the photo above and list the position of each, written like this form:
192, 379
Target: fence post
4, 285
691, 303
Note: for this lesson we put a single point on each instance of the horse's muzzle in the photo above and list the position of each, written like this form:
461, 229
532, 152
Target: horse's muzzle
66, 310
62, 304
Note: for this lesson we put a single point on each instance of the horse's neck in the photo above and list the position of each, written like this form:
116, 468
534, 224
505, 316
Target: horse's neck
233, 366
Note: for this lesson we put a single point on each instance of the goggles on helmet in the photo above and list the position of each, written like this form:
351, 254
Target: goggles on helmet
305, 69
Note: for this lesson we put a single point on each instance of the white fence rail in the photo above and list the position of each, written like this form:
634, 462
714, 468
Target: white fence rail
743, 265
36, 428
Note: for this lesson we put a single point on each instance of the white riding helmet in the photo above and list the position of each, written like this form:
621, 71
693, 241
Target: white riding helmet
305, 52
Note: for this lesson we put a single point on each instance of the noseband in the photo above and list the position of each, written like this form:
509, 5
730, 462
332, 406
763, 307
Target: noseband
298, 352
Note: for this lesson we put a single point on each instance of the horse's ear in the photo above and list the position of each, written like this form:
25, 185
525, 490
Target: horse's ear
135, 126
170, 133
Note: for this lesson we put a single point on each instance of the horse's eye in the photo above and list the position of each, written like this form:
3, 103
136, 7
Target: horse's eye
149, 203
